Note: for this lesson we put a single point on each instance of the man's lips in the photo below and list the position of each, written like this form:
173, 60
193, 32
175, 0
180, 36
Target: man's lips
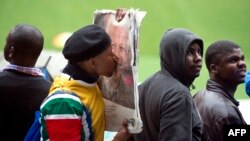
242, 72
197, 67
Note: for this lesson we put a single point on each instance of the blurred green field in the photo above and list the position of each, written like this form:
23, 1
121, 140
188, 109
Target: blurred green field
212, 20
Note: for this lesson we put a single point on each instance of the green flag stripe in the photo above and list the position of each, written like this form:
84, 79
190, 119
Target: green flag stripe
62, 106
62, 95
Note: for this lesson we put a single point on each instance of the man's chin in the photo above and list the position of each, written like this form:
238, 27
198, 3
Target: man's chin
109, 75
114, 74
196, 74
241, 81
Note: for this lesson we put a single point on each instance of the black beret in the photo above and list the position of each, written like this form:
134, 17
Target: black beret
86, 43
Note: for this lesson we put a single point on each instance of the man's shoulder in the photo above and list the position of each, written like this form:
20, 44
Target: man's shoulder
213, 103
4, 73
209, 97
207, 94
6, 76
61, 97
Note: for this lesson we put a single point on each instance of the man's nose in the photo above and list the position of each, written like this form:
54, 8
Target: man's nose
198, 56
242, 64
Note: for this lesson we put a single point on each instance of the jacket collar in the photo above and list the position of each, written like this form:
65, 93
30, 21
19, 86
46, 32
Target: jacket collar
216, 87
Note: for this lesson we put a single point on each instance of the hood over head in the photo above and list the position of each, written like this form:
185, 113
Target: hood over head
173, 48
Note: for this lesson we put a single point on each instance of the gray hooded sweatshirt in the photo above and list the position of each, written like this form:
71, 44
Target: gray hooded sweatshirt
166, 105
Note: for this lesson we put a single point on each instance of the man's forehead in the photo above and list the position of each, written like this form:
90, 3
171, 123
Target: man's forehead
224, 56
235, 52
194, 45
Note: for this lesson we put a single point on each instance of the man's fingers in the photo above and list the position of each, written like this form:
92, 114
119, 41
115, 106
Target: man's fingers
120, 13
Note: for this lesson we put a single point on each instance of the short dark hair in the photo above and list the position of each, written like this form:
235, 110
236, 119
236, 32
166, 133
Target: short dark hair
218, 49
27, 39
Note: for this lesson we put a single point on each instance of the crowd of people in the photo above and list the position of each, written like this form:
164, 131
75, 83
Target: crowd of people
72, 106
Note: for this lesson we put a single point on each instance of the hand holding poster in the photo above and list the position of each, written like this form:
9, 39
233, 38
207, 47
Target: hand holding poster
120, 91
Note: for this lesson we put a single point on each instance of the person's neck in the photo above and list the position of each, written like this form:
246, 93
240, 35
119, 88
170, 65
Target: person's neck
77, 73
229, 87
23, 62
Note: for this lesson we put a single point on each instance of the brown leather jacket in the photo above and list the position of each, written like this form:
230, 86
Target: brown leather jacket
217, 107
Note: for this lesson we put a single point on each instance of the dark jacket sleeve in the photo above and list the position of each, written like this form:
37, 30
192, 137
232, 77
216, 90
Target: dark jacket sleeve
176, 117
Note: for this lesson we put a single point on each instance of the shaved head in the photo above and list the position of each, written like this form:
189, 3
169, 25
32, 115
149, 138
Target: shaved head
24, 42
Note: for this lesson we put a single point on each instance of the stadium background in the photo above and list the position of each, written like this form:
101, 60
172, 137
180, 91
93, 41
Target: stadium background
211, 20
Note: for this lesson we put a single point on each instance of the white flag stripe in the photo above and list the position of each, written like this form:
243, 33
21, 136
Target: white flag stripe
62, 116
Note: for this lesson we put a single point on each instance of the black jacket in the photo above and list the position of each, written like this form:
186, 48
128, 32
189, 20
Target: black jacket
20, 96
166, 105
217, 108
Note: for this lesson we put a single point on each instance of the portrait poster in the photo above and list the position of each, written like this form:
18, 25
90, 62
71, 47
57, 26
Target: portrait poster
120, 91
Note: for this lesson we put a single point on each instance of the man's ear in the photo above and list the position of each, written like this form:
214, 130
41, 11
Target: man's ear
213, 68
92, 62
9, 54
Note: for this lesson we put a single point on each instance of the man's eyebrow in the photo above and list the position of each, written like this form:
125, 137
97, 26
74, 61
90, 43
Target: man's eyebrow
190, 48
232, 57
